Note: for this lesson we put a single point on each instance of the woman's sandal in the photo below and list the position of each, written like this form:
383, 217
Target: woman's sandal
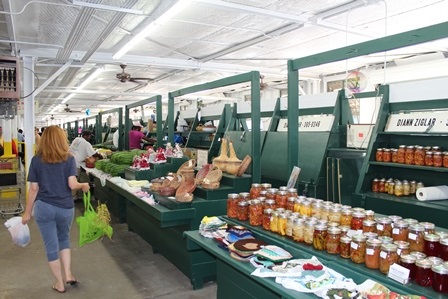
59, 291
72, 282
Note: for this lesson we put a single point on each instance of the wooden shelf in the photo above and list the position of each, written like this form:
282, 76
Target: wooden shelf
399, 165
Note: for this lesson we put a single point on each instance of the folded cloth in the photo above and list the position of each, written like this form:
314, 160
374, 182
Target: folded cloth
140, 183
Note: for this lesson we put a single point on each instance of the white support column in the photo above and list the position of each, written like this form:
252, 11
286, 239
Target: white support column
29, 121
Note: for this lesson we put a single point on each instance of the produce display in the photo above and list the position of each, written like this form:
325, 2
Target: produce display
118, 162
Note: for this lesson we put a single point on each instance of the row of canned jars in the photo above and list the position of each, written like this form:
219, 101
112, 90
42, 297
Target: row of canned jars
413, 155
396, 187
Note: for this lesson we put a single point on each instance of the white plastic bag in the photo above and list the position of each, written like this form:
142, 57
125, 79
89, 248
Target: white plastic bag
20, 233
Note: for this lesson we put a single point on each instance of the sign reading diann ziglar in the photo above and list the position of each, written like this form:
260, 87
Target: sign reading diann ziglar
428, 122
309, 123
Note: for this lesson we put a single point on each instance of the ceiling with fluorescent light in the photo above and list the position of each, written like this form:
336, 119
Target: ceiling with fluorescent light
75, 43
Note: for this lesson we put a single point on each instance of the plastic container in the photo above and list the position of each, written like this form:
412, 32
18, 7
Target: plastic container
358, 249
373, 248
388, 256
408, 261
432, 245
232, 205
400, 231
440, 278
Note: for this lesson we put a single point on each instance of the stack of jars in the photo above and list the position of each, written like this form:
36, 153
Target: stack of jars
413, 155
396, 187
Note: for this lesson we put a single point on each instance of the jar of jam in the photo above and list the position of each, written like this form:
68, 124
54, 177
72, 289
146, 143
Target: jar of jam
297, 203
398, 190
308, 235
419, 155
369, 226
429, 161
373, 249
263, 193
267, 215
394, 218
437, 159
346, 217
335, 214
290, 225
379, 155
400, 231
409, 155
270, 193
413, 187
281, 198
358, 249
232, 205
408, 261
384, 227
292, 192
281, 224
434, 260
316, 209
444, 249
382, 186
394, 155
319, 236
325, 212
418, 255
357, 219
406, 188
403, 247
269, 204
370, 215
423, 272
255, 190
391, 188
345, 242
255, 213
305, 209
416, 237
298, 230
290, 204
432, 245
387, 155
332, 240
388, 256
445, 159
243, 211
429, 227
435, 148
401, 154
274, 221
440, 278
266, 186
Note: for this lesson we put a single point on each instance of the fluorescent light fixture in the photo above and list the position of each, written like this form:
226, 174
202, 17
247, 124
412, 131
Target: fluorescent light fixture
83, 84
173, 10
106, 7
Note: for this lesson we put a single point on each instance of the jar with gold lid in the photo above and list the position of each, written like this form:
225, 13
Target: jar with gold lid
384, 227
267, 215
373, 248
401, 152
388, 256
416, 237
419, 155
335, 214
400, 231
243, 211
332, 240
437, 159
232, 205
298, 230
255, 190
346, 217
358, 249
379, 155
290, 204
409, 155
319, 236
345, 242
402, 247
369, 226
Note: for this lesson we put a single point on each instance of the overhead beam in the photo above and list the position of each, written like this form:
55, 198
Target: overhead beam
52, 77
99, 92
10, 23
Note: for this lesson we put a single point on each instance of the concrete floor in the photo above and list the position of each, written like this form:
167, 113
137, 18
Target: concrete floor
123, 267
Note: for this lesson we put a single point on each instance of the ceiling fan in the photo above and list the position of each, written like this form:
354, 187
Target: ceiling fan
67, 109
125, 77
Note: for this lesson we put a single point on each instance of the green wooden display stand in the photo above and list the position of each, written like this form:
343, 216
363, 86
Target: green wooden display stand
114, 201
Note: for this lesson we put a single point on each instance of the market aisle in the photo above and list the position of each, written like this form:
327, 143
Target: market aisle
122, 268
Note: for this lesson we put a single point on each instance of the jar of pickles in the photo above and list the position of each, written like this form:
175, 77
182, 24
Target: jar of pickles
292, 192
346, 217
332, 240
429, 227
281, 198
297, 203
281, 224
384, 227
267, 215
416, 237
444, 249
305, 208
406, 188
266, 186
379, 155
394, 155
445, 159
440, 278
255, 213
316, 209
403, 247
370, 215
358, 249
388, 256
408, 261
398, 190
344, 229
269, 204
382, 186
409, 155
298, 230
386, 240
413, 187
387, 155
391, 188
255, 190
419, 155
400, 231
423, 272
335, 214
373, 248
376, 185
232, 205
308, 235
431, 245
357, 220
401, 152
319, 236
429, 159
437, 159
270, 193
274, 221
243, 211
345, 242
325, 212
290, 225
368, 226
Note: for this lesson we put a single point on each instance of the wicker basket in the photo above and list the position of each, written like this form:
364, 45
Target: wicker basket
244, 165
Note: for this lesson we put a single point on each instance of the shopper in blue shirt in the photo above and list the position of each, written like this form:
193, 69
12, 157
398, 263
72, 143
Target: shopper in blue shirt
52, 176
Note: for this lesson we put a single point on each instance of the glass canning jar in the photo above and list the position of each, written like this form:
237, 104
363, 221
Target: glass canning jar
244, 196
429, 227
394, 218
403, 247
369, 226
429, 158
416, 237
382, 186
358, 249
290, 204
274, 221
419, 155
409, 155
398, 189
406, 188
269, 204
308, 235
298, 230
432, 245
292, 192
243, 211
281, 224
319, 236
400, 231
281, 198
345, 242
283, 188
408, 261
346, 217
401, 154
418, 255
255, 213
373, 249
270, 193
388, 256
344, 229
305, 208
370, 235
316, 209
394, 155
266, 186
357, 219
413, 187
384, 226
391, 188
419, 185
376, 185
232, 205
255, 190
410, 221
387, 155
386, 239
297, 203
332, 240
423, 272
267, 215
370, 215
335, 214
437, 159
444, 249
379, 155
290, 225
445, 159
440, 278
325, 212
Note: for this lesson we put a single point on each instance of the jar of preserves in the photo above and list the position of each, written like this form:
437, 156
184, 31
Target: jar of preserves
232, 205
290, 225
386, 185
432, 245
255, 213
263, 193
356, 210
344, 229
379, 155
270, 193
388, 256
280, 210
382, 186
429, 227
384, 227
332, 240
297, 203
423, 272
416, 237
434, 260
406, 188
410, 221
267, 215
305, 209
401, 154
369, 226
244, 196
444, 249
274, 221
370, 215
386, 240
400, 231
357, 219
308, 235
376, 185
435, 148
419, 155
398, 190
325, 212
335, 214
445, 159
281, 199
394, 155
409, 155
298, 230
255, 190
266, 186
316, 209
358, 249
391, 188
437, 159
418, 255
373, 249
370, 235
408, 261
269, 204
395, 218
419, 185
402, 247
292, 192
281, 224
345, 242
429, 158
440, 278
387, 155
243, 211
290, 204
346, 217
413, 187
283, 188
319, 236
